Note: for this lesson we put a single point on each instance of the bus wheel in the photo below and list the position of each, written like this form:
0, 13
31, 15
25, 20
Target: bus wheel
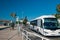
38, 30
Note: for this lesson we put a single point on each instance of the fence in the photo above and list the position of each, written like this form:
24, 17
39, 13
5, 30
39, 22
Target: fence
26, 35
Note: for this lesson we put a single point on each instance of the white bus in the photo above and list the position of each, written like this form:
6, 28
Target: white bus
47, 25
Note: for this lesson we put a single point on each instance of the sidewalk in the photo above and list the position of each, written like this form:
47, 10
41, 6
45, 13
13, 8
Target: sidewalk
8, 34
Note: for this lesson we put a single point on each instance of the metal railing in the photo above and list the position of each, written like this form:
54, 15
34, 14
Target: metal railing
26, 34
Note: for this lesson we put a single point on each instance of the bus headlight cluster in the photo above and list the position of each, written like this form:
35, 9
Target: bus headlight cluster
45, 32
59, 32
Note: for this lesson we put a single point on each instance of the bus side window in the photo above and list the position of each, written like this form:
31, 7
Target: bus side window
34, 22
41, 24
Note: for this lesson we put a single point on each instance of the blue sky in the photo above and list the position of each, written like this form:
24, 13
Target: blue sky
29, 8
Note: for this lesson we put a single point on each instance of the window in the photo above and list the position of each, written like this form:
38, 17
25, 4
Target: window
34, 22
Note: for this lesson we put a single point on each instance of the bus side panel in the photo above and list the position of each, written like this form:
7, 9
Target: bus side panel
40, 25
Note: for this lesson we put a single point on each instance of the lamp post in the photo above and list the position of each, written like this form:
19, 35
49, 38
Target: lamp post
22, 14
17, 24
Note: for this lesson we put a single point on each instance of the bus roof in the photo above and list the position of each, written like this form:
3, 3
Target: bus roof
45, 16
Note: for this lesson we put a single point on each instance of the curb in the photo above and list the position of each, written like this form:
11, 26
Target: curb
4, 28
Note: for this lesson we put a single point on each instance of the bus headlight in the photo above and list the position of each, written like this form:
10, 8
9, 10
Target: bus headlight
59, 32
45, 32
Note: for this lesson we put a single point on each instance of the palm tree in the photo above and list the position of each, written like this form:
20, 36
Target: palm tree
57, 15
14, 16
25, 21
58, 8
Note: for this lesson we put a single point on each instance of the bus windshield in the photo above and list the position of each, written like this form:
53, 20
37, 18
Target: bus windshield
50, 23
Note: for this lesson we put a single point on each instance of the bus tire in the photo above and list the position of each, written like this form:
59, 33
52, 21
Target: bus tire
38, 30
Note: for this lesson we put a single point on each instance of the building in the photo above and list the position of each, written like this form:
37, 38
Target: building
4, 22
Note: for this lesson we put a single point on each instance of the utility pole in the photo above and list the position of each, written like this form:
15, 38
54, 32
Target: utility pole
22, 14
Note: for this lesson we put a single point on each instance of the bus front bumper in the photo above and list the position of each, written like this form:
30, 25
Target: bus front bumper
51, 34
